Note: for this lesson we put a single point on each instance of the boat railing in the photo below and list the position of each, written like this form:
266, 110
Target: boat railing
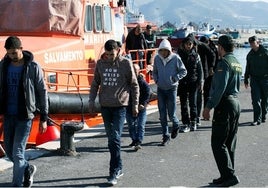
79, 80
145, 63
68, 80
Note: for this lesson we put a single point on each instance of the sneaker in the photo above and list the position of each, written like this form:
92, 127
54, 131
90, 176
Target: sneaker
230, 182
193, 126
133, 143
174, 132
165, 140
119, 174
28, 175
198, 123
218, 181
138, 145
263, 120
255, 123
185, 129
112, 180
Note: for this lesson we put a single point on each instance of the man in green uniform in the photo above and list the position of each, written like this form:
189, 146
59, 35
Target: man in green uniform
257, 73
223, 98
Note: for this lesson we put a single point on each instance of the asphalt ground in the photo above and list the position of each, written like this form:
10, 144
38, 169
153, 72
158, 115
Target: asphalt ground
186, 161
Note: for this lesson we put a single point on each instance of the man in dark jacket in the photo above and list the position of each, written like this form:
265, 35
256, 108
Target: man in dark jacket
22, 88
136, 41
257, 72
208, 59
190, 84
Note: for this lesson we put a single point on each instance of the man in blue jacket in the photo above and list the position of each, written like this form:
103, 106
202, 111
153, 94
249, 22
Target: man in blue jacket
167, 71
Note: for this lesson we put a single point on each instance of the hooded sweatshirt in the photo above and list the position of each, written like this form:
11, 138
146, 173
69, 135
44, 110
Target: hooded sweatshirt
115, 80
168, 71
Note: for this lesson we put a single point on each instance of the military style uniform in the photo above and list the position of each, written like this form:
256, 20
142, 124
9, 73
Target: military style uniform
223, 98
257, 72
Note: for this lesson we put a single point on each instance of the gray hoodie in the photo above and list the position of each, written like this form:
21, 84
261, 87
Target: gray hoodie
115, 81
168, 71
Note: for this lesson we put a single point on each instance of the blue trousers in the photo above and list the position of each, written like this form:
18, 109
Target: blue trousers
16, 133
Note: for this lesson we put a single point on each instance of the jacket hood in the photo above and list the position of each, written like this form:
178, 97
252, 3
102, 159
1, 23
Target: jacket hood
27, 55
165, 44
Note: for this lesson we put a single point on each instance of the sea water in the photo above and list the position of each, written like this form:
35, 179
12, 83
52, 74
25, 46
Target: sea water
241, 55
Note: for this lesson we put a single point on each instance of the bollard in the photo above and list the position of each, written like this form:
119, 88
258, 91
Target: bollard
67, 131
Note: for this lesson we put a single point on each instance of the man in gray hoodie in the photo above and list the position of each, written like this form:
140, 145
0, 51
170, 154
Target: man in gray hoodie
167, 71
115, 79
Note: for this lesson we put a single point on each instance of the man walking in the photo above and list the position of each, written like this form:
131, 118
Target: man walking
257, 72
115, 79
22, 87
168, 70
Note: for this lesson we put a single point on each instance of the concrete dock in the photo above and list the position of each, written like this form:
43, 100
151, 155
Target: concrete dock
186, 161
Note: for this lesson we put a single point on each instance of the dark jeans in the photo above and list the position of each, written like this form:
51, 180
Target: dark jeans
138, 56
114, 118
202, 96
224, 134
188, 93
259, 95
206, 88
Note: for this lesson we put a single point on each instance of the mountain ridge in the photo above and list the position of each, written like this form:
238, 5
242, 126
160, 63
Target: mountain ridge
225, 13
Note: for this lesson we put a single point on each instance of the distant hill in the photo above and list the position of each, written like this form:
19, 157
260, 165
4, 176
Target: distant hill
224, 13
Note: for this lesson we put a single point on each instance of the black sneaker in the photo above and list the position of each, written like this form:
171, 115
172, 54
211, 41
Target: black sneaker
229, 182
133, 143
165, 140
119, 174
255, 123
174, 132
198, 123
112, 180
217, 181
263, 120
185, 129
193, 126
138, 145
28, 175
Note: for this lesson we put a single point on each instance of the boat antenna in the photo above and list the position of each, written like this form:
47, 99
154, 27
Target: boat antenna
82, 104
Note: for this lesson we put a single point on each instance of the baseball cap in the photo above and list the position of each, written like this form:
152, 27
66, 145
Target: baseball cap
225, 40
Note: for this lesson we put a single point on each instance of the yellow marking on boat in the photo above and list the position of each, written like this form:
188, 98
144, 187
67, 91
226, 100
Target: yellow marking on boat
90, 54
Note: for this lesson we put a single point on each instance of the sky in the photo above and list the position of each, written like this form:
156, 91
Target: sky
141, 2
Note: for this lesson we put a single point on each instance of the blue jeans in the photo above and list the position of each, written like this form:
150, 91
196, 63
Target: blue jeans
114, 118
136, 125
259, 94
167, 106
16, 133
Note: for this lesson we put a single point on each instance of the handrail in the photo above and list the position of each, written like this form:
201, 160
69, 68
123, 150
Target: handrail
147, 68
76, 80
68, 80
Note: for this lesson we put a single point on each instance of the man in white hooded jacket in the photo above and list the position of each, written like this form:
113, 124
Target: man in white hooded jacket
168, 69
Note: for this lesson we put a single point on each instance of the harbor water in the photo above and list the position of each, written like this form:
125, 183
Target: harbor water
241, 54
